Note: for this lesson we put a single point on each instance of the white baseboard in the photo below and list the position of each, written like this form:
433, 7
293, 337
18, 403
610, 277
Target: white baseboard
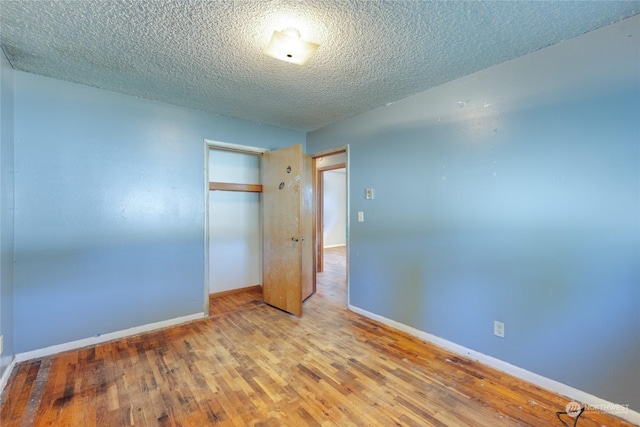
579, 396
85, 342
7, 373
335, 246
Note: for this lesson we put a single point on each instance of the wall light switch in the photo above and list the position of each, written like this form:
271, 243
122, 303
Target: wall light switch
368, 193
498, 329
360, 216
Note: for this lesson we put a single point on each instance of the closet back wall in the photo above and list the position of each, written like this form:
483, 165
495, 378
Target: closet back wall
235, 233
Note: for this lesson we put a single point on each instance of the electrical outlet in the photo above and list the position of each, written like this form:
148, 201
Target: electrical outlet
498, 329
360, 216
1, 342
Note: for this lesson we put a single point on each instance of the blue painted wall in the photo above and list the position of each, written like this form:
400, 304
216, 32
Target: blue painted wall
511, 195
6, 211
109, 197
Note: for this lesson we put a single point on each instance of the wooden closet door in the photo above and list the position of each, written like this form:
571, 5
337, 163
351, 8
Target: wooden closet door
288, 230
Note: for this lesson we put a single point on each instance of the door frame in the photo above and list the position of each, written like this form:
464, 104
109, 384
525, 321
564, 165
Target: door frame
218, 145
317, 189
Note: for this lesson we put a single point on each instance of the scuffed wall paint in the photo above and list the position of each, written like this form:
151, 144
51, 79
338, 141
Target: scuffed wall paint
110, 205
512, 194
6, 211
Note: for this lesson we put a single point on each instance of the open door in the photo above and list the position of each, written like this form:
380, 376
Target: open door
288, 260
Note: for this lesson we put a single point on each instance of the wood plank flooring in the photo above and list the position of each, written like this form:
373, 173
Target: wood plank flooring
249, 364
250, 298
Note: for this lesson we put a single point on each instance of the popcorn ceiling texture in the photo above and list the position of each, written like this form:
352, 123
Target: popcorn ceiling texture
208, 55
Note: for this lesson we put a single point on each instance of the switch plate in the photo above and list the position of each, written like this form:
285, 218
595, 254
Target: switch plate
360, 216
368, 193
498, 329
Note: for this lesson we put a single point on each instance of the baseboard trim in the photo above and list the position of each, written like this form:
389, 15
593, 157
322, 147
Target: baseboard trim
546, 383
234, 291
7, 374
335, 246
86, 342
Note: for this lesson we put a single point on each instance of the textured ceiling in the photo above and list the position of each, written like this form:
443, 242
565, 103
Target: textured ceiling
208, 55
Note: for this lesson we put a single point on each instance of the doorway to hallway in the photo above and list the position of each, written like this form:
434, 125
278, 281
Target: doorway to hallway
331, 185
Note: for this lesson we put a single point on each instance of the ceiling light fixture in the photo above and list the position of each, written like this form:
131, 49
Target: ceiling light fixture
287, 45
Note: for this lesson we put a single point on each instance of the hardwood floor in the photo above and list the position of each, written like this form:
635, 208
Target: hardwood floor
251, 364
247, 299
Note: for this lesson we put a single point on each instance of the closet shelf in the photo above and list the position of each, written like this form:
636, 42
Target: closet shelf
228, 186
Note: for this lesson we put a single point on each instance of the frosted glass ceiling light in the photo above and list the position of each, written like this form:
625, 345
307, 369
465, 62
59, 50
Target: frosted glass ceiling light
287, 45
